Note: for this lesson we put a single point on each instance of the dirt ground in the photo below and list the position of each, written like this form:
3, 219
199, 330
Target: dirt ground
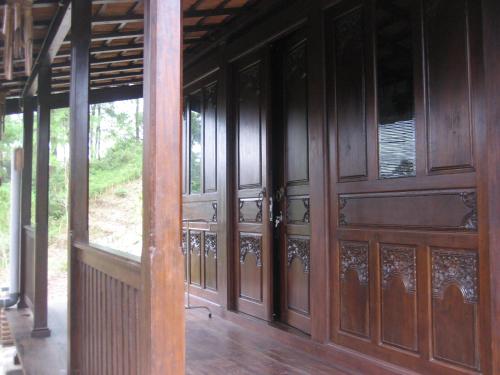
115, 221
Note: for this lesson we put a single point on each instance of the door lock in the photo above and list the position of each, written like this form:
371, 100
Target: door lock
278, 219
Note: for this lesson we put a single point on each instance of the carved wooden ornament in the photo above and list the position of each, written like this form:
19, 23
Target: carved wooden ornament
451, 267
299, 248
354, 256
251, 244
399, 261
211, 244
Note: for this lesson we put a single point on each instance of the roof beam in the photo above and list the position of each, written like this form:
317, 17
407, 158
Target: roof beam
196, 13
58, 29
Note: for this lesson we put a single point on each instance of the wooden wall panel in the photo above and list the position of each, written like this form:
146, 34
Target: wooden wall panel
436, 210
350, 94
298, 269
195, 255
210, 138
291, 158
249, 126
210, 260
454, 306
354, 290
399, 296
250, 258
448, 83
297, 145
200, 210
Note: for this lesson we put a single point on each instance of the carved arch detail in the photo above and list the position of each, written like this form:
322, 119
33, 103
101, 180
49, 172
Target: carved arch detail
399, 261
354, 256
299, 248
452, 267
251, 244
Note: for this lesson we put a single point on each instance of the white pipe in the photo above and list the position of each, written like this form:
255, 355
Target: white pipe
15, 224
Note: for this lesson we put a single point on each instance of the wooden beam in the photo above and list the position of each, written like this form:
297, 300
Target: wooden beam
103, 95
78, 183
162, 308
107, 49
58, 30
196, 13
107, 20
489, 181
26, 188
107, 60
40, 328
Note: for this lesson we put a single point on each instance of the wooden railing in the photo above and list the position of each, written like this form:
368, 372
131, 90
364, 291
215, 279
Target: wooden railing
108, 310
29, 266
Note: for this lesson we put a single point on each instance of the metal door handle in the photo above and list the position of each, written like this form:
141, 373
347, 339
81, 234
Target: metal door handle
278, 219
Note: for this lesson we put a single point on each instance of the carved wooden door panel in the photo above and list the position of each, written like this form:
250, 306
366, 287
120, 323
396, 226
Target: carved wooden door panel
291, 180
200, 194
404, 119
252, 237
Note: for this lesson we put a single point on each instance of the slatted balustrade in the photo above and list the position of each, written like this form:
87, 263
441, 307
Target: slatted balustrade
109, 284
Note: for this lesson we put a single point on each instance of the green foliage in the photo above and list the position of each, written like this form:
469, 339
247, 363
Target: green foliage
115, 158
122, 163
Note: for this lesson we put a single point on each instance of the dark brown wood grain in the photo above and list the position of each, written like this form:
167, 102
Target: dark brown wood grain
488, 180
161, 349
78, 182
40, 328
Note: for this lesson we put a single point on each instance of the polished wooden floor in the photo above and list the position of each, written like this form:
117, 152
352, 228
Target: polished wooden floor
214, 346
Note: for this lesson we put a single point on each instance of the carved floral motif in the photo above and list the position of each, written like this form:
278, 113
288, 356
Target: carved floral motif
211, 95
469, 221
296, 63
342, 217
348, 30
249, 79
258, 215
184, 242
354, 256
299, 248
458, 268
251, 244
214, 216
195, 242
211, 244
399, 261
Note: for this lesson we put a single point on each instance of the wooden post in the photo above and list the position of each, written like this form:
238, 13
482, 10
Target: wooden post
79, 166
162, 262
26, 188
489, 196
40, 328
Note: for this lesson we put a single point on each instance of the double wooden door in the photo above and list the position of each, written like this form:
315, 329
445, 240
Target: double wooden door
272, 184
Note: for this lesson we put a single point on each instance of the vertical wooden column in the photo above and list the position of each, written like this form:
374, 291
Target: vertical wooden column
489, 194
28, 109
79, 165
317, 160
40, 328
162, 308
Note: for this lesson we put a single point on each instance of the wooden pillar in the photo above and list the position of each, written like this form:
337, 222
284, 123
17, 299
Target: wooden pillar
489, 197
28, 109
163, 341
79, 165
40, 328
317, 151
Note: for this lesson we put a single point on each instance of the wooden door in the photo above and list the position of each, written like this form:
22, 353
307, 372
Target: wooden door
291, 180
252, 236
200, 191
404, 119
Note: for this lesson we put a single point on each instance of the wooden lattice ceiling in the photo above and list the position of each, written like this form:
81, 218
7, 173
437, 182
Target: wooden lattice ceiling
117, 38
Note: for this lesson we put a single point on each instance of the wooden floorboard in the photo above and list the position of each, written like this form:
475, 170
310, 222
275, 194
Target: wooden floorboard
214, 346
